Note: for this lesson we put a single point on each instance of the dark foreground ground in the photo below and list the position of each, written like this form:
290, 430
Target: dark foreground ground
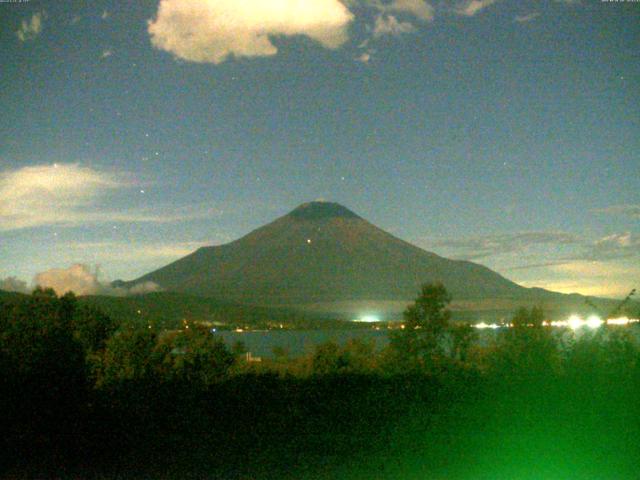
347, 426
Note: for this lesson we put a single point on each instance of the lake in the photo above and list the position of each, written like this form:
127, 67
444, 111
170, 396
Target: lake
299, 342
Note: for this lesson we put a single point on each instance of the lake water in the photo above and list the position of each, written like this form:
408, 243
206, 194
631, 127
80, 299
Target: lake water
299, 342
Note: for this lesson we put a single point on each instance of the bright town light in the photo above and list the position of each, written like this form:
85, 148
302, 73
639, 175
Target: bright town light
594, 322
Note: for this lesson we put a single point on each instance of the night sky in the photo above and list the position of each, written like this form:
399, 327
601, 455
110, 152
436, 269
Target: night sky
504, 132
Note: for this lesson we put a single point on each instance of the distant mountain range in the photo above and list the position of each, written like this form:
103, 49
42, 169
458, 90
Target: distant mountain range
323, 257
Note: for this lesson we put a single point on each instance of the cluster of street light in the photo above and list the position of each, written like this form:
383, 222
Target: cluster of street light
574, 322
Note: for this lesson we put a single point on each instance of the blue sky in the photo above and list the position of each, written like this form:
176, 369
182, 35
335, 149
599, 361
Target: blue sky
505, 132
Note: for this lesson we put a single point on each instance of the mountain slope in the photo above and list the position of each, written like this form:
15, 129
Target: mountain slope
323, 252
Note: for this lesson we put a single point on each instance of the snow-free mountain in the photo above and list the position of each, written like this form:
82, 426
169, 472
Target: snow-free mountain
323, 255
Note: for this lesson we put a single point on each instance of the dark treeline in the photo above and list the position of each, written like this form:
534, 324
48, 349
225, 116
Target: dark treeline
168, 310
86, 396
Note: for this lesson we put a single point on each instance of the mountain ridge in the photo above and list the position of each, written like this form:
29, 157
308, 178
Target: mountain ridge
323, 252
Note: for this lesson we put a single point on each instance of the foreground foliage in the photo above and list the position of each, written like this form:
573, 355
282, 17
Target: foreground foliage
85, 396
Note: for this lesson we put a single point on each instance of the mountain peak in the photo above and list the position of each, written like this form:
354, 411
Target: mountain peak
320, 209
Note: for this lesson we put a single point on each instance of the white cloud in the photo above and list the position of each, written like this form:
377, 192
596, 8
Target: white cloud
106, 53
105, 15
390, 25
470, 8
209, 31
29, 30
80, 280
418, 8
49, 194
69, 195
144, 287
364, 58
527, 18
13, 284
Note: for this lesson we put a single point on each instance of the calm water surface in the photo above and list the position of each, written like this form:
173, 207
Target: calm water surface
299, 342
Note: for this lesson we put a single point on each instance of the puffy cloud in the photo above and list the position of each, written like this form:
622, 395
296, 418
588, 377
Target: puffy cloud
212, 30
13, 284
80, 280
29, 30
470, 8
527, 18
389, 25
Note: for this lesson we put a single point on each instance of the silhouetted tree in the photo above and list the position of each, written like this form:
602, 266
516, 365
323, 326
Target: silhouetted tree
356, 356
426, 323
463, 336
92, 328
42, 371
528, 347
129, 355
239, 348
199, 357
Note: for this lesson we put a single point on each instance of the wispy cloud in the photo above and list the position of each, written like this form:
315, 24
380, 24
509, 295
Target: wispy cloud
632, 211
531, 266
419, 9
469, 8
390, 25
99, 252
210, 31
106, 53
489, 245
527, 17
50, 194
29, 30
612, 247
69, 195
